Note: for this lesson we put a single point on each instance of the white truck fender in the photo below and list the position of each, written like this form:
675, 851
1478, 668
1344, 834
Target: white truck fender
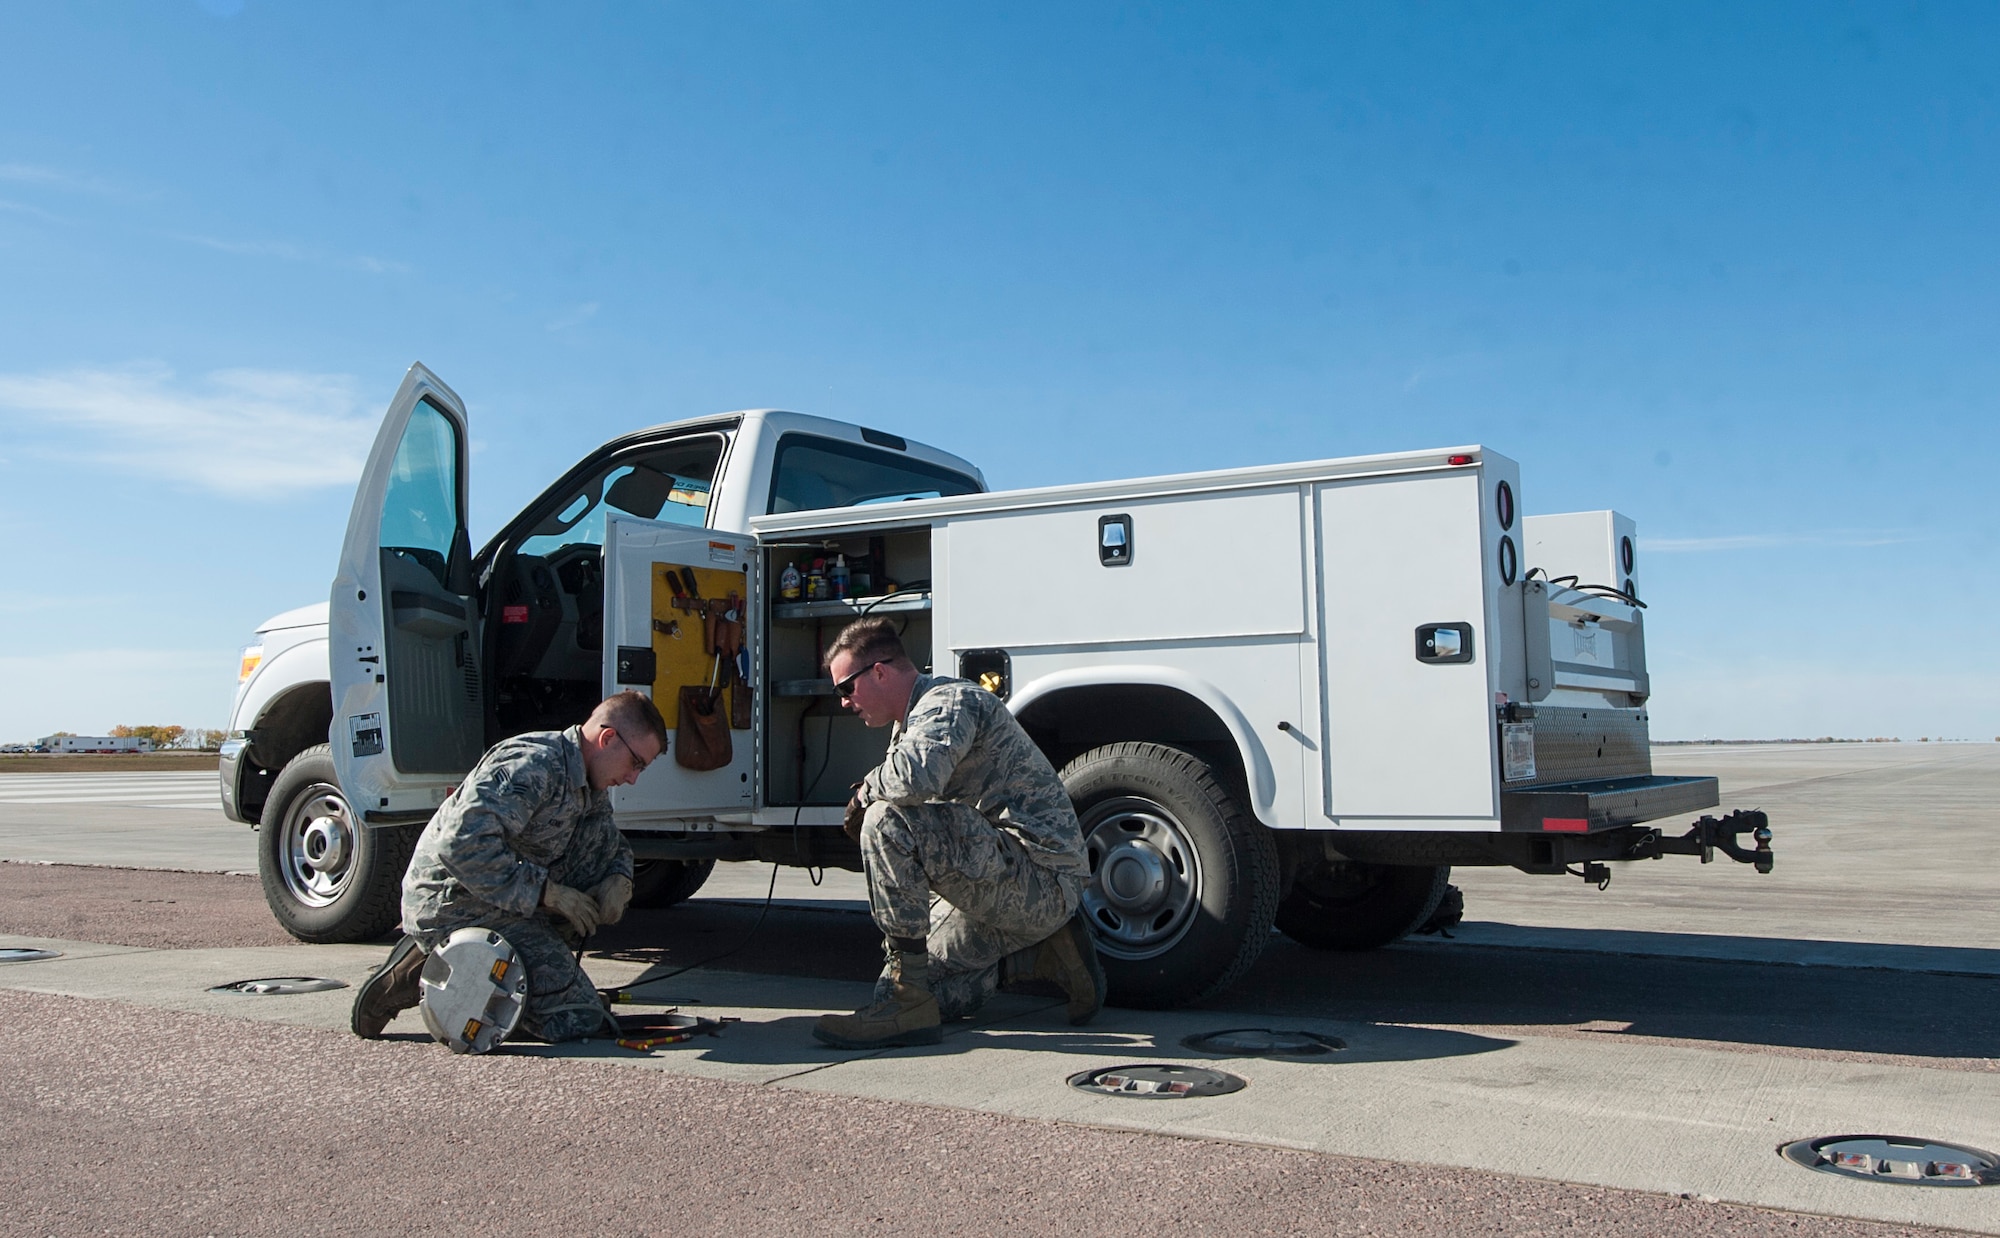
1263, 782
305, 662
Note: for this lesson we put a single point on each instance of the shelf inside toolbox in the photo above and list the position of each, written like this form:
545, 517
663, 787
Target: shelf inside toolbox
852, 608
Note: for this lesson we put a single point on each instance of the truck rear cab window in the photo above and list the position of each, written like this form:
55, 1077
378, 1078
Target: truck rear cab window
810, 473
669, 484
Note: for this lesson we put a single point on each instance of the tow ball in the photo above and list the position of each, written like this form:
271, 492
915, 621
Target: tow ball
1712, 834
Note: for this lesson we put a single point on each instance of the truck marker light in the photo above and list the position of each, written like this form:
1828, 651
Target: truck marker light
1456, 460
1566, 825
253, 655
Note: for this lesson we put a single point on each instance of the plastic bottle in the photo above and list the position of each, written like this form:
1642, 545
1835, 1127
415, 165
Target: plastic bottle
837, 578
789, 582
816, 580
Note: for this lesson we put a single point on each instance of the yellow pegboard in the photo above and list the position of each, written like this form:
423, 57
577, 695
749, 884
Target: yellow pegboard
679, 658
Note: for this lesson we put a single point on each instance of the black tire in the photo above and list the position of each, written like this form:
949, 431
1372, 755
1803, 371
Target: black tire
1184, 882
1356, 906
327, 877
662, 883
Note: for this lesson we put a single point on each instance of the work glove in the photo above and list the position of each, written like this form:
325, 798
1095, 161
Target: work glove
572, 905
850, 821
613, 895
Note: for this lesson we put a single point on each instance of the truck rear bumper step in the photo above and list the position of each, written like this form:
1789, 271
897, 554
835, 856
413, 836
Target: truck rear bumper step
1603, 804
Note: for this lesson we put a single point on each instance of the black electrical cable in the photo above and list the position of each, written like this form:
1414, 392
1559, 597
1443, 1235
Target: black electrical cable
717, 958
1575, 583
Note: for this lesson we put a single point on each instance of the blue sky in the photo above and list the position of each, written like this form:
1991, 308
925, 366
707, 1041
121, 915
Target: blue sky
1729, 269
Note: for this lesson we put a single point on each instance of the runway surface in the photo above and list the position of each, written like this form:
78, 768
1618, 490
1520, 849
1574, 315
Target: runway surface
1571, 1061
168, 789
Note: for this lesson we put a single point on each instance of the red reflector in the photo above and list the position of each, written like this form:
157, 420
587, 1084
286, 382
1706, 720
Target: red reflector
1458, 459
513, 614
1566, 825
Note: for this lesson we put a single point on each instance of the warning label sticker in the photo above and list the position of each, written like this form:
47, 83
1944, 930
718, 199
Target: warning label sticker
1517, 751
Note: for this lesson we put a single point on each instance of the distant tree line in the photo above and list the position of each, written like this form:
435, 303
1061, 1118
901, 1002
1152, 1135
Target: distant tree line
171, 736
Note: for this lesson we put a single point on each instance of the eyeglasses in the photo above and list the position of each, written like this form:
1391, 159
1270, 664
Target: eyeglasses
639, 763
844, 688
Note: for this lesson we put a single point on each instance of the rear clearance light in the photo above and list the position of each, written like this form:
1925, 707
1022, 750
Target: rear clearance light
253, 656
1457, 460
1566, 825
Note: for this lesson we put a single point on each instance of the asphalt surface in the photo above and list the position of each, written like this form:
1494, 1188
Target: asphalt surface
1860, 972
127, 1119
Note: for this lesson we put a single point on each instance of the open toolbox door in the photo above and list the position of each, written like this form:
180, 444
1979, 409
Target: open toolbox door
403, 623
671, 596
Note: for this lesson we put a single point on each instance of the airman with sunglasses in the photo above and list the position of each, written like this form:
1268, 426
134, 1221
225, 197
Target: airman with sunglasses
526, 846
966, 807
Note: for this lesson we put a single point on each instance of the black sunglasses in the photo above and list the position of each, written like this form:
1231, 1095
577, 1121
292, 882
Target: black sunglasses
845, 687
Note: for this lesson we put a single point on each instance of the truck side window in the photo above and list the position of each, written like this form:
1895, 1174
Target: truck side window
812, 473
669, 484
420, 508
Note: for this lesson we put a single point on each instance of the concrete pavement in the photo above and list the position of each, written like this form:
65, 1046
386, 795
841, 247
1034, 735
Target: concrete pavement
1663, 1118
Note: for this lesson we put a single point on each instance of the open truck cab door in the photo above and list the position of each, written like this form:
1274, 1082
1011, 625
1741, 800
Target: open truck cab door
680, 607
404, 623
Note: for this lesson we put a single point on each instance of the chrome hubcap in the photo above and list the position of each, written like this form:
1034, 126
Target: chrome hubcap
1145, 878
316, 854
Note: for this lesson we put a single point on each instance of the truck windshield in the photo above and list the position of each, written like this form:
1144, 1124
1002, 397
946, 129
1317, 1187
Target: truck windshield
812, 473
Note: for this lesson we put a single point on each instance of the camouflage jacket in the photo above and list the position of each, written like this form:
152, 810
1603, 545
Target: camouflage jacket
487, 852
960, 744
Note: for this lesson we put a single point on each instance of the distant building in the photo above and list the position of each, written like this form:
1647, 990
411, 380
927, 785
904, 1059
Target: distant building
96, 743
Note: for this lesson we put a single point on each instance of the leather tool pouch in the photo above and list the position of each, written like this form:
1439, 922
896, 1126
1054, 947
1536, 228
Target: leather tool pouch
701, 740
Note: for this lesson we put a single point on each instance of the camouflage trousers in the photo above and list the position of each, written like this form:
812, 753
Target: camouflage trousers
562, 1002
992, 898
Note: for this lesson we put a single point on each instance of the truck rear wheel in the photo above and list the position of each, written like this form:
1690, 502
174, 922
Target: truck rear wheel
1354, 906
662, 883
328, 878
1183, 881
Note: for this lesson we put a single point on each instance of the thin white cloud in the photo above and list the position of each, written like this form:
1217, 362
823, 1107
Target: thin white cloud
1768, 541
23, 208
242, 433
575, 316
53, 178
287, 252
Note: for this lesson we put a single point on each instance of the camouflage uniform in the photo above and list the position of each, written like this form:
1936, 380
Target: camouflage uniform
526, 815
966, 806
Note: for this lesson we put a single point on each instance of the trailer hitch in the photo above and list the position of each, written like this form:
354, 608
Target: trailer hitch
1712, 834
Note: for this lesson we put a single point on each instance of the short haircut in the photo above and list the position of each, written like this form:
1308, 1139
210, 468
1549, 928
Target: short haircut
634, 714
869, 640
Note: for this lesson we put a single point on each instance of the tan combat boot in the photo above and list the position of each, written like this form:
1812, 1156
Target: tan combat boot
1068, 959
906, 1015
393, 989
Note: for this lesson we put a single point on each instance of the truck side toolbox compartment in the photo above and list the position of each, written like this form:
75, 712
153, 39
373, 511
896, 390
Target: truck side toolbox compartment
1604, 803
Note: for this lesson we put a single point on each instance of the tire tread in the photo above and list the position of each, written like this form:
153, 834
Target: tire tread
377, 906
1250, 845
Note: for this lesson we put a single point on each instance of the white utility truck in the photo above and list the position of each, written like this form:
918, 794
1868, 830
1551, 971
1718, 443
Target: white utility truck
1291, 695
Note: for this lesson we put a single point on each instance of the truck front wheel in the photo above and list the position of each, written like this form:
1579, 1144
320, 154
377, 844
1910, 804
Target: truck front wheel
1183, 882
1349, 905
327, 878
